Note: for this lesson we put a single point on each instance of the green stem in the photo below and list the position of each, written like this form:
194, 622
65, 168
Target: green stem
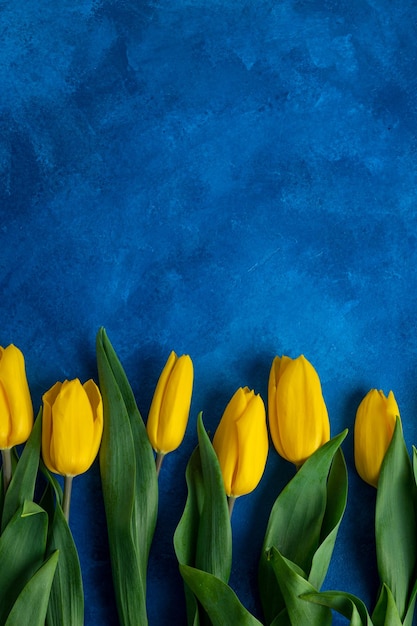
158, 461
6, 456
231, 503
67, 496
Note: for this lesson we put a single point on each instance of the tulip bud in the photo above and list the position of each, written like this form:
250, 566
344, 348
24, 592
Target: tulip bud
374, 427
170, 407
241, 442
16, 411
298, 417
72, 426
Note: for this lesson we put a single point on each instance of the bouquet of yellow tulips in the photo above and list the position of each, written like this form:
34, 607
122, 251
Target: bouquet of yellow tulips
40, 574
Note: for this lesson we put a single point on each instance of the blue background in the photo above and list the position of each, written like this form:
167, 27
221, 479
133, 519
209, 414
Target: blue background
230, 179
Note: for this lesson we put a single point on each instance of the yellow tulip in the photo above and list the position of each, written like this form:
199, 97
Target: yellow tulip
72, 426
374, 428
298, 417
16, 411
241, 442
170, 407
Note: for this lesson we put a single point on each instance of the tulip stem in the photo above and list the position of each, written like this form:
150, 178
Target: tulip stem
231, 503
67, 496
7, 467
158, 462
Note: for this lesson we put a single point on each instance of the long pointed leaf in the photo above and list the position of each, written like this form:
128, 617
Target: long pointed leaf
292, 586
344, 603
214, 542
295, 524
31, 604
337, 490
22, 485
409, 617
22, 552
386, 612
186, 533
203, 538
66, 606
395, 522
129, 486
218, 599
146, 496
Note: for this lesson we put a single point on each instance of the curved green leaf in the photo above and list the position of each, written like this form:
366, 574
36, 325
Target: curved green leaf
218, 599
186, 533
292, 586
386, 612
203, 538
31, 604
66, 605
395, 522
337, 491
214, 540
129, 482
298, 524
415, 463
409, 617
344, 603
22, 485
22, 552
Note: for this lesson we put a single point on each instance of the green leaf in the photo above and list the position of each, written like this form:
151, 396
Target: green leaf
218, 599
409, 617
66, 606
386, 612
22, 552
305, 515
203, 538
186, 533
415, 463
214, 540
129, 482
395, 522
52, 492
22, 485
337, 490
345, 603
31, 604
292, 586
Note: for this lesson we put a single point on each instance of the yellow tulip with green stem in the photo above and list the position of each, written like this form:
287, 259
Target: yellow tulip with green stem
170, 407
16, 410
72, 426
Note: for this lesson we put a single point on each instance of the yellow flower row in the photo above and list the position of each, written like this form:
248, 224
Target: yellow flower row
72, 419
298, 420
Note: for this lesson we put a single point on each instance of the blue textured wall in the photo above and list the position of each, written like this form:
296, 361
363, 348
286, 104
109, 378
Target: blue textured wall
232, 179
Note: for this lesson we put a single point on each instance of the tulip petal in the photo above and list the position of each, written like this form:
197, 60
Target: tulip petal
155, 409
48, 399
225, 443
94, 397
176, 405
252, 438
16, 389
5, 419
225, 440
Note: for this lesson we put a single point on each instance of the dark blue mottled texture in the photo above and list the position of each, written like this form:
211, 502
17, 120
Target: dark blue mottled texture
234, 179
